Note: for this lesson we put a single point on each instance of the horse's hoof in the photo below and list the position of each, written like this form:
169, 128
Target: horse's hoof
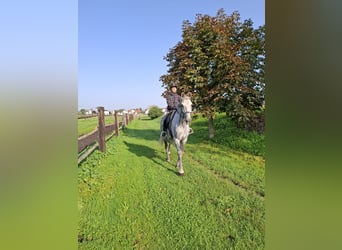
180, 174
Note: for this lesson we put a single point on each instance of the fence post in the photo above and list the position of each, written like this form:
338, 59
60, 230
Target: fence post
116, 123
102, 130
123, 121
127, 120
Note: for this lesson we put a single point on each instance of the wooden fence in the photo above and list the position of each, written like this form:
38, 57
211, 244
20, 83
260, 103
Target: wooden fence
98, 137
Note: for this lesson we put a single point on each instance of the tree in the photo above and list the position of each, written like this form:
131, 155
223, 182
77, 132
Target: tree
221, 62
154, 112
83, 111
246, 102
119, 110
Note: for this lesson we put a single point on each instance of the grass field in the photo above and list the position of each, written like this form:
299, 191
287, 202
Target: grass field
87, 125
131, 198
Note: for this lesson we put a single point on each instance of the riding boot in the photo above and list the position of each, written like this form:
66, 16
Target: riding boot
163, 133
190, 129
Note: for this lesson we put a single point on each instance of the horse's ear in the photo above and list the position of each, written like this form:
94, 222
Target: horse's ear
189, 94
182, 94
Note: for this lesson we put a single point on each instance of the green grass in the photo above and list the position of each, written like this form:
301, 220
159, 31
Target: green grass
228, 135
88, 125
131, 198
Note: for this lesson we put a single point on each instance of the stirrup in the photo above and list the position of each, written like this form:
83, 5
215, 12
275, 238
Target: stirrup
163, 134
191, 131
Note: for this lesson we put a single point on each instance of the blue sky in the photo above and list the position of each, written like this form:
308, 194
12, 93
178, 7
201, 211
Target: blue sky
122, 44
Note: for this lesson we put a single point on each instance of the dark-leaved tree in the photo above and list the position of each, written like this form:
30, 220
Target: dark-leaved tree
220, 60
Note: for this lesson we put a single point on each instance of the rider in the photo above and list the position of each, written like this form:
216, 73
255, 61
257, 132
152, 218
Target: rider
172, 99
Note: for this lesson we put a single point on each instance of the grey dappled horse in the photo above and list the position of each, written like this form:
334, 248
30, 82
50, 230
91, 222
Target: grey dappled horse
178, 130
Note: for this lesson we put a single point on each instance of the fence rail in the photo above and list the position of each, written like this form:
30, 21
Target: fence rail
86, 116
98, 137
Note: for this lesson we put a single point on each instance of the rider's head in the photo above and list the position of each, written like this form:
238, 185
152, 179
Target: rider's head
173, 87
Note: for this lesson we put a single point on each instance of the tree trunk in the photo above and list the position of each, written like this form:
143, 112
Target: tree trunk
211, 126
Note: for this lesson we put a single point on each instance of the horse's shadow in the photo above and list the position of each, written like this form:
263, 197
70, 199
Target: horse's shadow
163, 163
149, 153
141, 150
146, 134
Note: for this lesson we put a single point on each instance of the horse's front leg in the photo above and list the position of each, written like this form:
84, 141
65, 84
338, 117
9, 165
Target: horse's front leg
179, 148
182, 145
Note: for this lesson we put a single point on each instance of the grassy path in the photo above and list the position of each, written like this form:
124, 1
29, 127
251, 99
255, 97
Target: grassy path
131, 198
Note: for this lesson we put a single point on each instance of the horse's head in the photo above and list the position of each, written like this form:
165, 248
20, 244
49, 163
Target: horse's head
186, 106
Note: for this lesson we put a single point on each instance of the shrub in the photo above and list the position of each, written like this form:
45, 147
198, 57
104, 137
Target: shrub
154, 112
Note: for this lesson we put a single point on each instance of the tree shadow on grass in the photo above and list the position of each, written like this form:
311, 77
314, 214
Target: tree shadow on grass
149, 153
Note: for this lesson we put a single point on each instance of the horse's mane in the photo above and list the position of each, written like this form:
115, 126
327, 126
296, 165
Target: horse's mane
186, 100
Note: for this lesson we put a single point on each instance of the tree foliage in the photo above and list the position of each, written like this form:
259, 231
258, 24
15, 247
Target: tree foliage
119, 110
221, 61
154, 112
82, 111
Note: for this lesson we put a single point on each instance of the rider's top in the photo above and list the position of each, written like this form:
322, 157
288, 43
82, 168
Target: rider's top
172, 100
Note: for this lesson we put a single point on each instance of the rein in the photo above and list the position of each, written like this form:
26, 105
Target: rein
182, 113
